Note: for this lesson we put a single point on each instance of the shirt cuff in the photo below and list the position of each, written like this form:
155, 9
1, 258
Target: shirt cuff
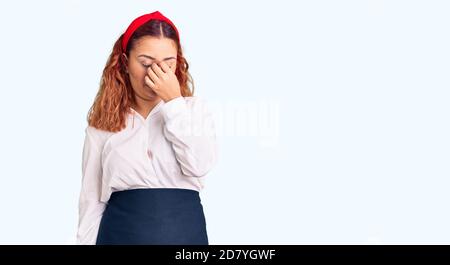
173, 108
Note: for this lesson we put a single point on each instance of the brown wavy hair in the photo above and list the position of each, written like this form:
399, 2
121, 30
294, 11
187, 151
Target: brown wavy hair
115, 95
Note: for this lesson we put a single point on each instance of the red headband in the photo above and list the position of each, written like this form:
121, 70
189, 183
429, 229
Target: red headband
142, 20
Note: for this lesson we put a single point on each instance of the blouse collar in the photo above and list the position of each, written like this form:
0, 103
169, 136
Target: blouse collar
155, 109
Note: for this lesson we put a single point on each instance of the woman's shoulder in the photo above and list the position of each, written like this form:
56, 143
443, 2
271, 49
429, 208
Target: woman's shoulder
196, 101
192, 102
97, 135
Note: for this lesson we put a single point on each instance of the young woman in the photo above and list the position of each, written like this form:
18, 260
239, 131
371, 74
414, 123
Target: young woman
148, 144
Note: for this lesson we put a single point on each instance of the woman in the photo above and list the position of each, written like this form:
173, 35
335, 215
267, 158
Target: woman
148, 144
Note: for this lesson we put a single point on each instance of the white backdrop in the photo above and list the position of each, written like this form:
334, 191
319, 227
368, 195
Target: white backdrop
333, 116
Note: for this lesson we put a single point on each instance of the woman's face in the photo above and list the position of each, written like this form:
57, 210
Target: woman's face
148, 50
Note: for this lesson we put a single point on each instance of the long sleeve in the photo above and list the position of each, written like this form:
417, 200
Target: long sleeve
90, 207
190, 128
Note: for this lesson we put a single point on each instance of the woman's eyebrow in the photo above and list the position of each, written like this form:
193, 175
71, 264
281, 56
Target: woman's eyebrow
150, 57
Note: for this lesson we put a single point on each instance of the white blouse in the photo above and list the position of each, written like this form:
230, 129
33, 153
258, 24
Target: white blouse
174, 147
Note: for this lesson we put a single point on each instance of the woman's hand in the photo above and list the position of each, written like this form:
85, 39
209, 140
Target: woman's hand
163, 81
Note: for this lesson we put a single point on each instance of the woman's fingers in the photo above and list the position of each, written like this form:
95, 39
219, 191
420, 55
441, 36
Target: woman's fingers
149, 82
155, 67
152, 74
165, 67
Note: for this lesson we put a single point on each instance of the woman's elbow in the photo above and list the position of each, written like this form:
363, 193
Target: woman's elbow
201, 166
